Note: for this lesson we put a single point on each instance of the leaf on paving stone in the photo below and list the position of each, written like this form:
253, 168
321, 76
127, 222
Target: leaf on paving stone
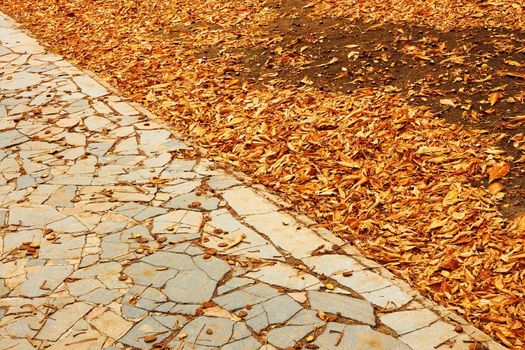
321, 315
150, 338
236, 240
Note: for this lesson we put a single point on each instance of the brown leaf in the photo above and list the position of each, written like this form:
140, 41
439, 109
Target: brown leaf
150, 338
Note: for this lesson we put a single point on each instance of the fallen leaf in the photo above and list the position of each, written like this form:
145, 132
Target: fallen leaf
495, 187
495, 97
518, 223
447, 102
449, 264
150, 338
498, 171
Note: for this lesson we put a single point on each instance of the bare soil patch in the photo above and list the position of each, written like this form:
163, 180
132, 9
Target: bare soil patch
472, 77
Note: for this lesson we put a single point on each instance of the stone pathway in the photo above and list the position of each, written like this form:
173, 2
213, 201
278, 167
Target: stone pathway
111, 239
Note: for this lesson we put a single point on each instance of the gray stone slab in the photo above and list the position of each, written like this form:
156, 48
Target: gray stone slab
286, 233
234, 283
11, 138
252, 245
286, 276
65, 248
306, 317
389, 298
409, 320
62, 197
43, 281
430, 337
62, 320
15, 344
249, 343
190, 287
100, 296
359, 337
148, 326
184, 201
20, 80
83, 286
18, 327
99, 149
288, 336
89, 86
145, 274
276, 310
111, 324
108, 273
352, 308
222, 331
246, 296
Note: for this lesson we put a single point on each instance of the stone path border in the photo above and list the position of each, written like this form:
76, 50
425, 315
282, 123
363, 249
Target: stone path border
111, 238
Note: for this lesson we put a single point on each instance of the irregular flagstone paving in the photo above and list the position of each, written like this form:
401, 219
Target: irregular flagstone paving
112, 239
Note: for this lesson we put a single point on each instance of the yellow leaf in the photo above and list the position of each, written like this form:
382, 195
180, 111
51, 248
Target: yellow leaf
235, 121
518, 256
321, 315
436, 224
452, 196
447, 102
350, 164
458, 215
512, 63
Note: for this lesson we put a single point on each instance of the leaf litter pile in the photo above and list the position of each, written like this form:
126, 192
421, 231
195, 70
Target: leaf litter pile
399, 125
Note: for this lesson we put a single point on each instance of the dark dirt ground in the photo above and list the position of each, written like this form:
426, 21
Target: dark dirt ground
454, 74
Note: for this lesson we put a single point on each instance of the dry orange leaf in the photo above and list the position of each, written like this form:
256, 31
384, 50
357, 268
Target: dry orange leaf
498, 171
495, 97
450, 264
496, 187
519, 223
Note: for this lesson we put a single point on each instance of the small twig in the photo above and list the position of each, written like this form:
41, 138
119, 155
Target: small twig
198, 334
340, 337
